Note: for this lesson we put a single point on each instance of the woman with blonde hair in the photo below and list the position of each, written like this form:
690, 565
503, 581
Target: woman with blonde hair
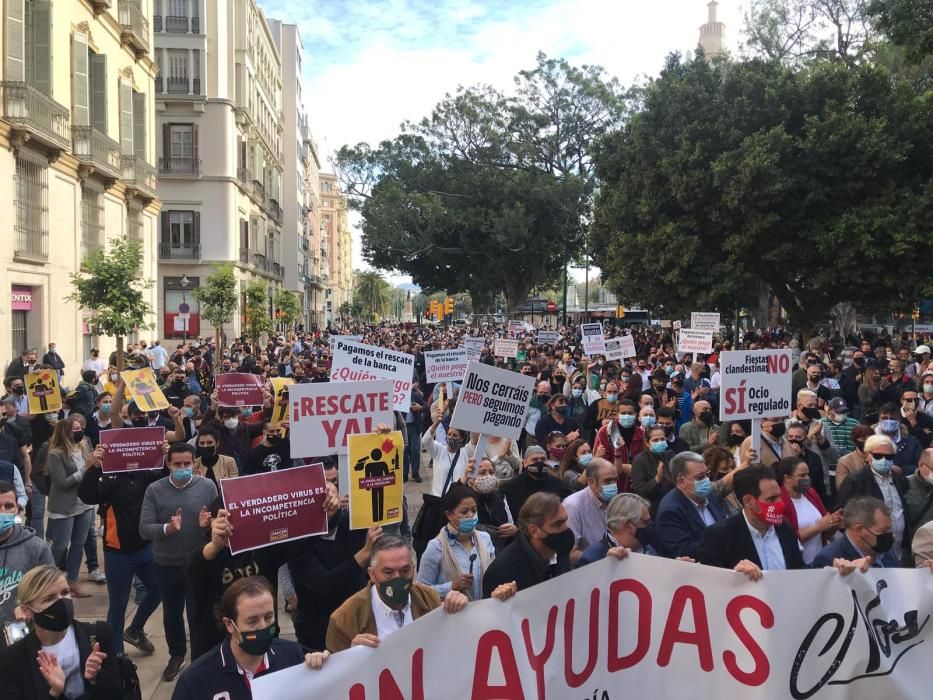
59, 657
69, 457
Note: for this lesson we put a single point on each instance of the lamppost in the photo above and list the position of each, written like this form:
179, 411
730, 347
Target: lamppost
184, 282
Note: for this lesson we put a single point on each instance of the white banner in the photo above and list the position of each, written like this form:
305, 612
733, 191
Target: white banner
350, 338
493, 401
474, 343
506, 348
704, 321
621, 347
755, 384
593, 339
355, 362
548, 337
322, 415
445, 365
649, 627
690, 340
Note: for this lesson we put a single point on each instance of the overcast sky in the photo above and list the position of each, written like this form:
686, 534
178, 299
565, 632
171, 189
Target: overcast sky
371, 64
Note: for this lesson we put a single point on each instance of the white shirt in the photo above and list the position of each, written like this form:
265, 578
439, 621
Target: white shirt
69, 658
97, 365
705, 513
893, 500
768, 547
808, 515
386, 617
442, 458
158, 356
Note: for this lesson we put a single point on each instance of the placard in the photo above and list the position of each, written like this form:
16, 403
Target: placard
620, 347
275, 507
280, 399
594, 342
506, 348
144, 391
755, 384
349, 338
132, 449
238, 389
43, 392
677, 325
324, 414
704, 321
474, 343
445, 365
548, 337
516, 329
493, 401
355, 362
690, 340
375, 479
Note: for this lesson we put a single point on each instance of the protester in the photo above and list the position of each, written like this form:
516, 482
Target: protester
688, 509
651, 474
572, 466
533, 479
493, 512
840, 425
557, 420
209, 463
586, 509
803, 508
622, 440
722, 470
907, 447
868, 534
922, 546
918, 498
448, 459
626, 515
273, 453
702, 431
856, 459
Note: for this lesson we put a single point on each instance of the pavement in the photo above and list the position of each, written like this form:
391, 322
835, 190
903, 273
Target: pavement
149, 668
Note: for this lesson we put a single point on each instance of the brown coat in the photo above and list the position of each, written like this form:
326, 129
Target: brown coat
225, 468
355, 616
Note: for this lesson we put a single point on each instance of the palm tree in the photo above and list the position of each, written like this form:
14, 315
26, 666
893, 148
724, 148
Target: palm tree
373, 293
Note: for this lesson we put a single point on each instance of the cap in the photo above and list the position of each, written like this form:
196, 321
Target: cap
838, 405
677, 375
535, 450
922, 350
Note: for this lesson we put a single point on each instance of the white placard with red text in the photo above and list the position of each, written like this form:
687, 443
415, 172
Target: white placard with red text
689, 340
355, 362
755, 384
445, 365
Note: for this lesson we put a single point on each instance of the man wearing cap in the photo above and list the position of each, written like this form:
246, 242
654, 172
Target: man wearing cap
839, 424
533, 478
922, 355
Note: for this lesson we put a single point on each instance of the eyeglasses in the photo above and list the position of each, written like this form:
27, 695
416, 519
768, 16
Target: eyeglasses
880, 455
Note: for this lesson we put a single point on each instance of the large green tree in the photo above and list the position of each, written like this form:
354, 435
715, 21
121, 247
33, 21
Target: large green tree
219, 300
813, 180
373, 293
258, 321
907, 23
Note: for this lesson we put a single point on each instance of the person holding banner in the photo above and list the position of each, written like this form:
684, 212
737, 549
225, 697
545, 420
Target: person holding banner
868, 536
627, 517
803, 508
586, 509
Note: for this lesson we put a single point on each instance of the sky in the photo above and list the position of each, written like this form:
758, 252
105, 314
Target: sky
369, 65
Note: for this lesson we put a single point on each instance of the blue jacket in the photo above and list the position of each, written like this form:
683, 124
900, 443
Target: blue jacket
599, 550
679, 525
842, 548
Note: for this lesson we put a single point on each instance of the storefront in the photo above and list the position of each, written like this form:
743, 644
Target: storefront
20, 307
181, 317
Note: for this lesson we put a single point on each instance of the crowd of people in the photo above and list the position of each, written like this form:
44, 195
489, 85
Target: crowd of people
613, 458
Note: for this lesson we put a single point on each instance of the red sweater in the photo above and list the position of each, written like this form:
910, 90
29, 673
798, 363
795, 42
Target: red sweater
790, 513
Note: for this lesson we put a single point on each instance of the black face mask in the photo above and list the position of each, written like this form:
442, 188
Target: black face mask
884, 542
140, 421
799, 443
735, 440
777, 430
274, 439
19, 390
811, 413
560, 542
536, 470
208, 455
77, 436
706, 417
668, 430
57, 617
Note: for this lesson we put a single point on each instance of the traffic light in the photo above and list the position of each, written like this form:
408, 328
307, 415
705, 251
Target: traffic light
620, 311
278, 314
432, 308
449, 306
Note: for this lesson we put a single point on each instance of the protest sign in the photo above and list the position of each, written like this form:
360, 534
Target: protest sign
238, 389
132, 449
619, 348
355, 362
668, 629
493, 401
516, 329
275, 507
472, 353
690, 340
43, 392
548, 337
593, 340
143, 389
665, 323
506, 348
351, 338
755, 384
701, 321
280, 399
323, 414
444, 365
375, 479
677, 325
474, 343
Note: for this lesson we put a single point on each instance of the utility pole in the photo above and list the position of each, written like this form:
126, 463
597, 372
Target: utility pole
565, 292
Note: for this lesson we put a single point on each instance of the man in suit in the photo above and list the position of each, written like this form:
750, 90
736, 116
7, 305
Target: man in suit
868, 535
54, 360
686, 511
22, 365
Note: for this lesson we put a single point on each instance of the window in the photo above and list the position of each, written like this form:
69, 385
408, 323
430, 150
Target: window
134, 224
181, 141
177, 82
32, 207
92, 219
181, 229
97, 76
140, 138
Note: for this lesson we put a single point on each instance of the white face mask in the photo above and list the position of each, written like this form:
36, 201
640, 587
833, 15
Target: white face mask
231, 423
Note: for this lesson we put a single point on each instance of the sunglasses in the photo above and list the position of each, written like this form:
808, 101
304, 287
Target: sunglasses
880, 455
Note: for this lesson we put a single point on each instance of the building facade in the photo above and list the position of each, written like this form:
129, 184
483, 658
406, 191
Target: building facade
336, 247
77, 148
219, 136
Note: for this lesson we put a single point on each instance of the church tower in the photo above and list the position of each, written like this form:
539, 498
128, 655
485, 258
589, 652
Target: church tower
712, 34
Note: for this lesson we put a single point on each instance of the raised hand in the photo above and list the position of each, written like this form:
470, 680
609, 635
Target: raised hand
94, 662
174, 525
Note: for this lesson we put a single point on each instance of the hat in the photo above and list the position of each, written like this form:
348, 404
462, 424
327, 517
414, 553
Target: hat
838, 405
534, 450
677, 375
922, 350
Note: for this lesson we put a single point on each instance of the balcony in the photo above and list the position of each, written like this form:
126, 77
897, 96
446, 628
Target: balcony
157, 23
195, 25
96, 151
275, 211
135, 27
35, 114
159, 84
179, 166
169, 252
246, 179
259, 261
140, 176
176, 25
259, 190
244, 256
196, 86
177, 86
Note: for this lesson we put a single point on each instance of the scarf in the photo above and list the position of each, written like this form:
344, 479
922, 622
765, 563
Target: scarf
449, 563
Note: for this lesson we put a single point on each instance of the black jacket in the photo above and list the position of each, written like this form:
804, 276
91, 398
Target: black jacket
491, 511
120, 497
517, 489
863, 483
19, 672
520, 563
728, 542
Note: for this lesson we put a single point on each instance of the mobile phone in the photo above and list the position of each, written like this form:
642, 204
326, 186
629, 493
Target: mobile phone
14, 631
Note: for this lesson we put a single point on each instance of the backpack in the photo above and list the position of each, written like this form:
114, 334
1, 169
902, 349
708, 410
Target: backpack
129, 679
40, 473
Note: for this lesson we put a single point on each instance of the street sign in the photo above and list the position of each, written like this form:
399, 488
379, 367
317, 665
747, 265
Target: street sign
184, 308
551, 307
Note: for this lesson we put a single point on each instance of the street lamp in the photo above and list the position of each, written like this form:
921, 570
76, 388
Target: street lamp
184, 282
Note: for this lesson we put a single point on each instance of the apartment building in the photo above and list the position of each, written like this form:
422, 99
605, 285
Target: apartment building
219, 135
336, 246
315, 279
76, 149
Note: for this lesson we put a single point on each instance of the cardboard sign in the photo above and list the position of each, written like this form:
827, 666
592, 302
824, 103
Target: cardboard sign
323, 415
506, 348
621, 347
665, 323
43, 392
677, 325
548, 337
445, 365
703, 321
755, 384
594, 342
375, 479
275, 507
144, 390
690, 340
132, 449
280, 399
355, 362
474, 343
516, 329
238, 389
493, 401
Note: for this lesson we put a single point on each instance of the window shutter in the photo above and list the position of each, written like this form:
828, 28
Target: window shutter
15, 40
98, 79
41, 45
166, 238
194, 141
140, 140
166, 141
79, 68
126, 116
197, 228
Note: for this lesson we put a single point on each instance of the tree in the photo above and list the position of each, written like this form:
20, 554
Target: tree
288, 307
258, 322
219, 299
373, 293
813, 180
109, 286
907, 23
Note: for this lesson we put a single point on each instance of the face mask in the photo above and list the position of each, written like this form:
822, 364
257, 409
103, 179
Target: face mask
838, 418
928, 388
19, 390
139, 421
557, 452
611, 398
536, 470
883, 542
626, 420
659, 448
57, 617
602, 387
648, 422
394, 592
811, 413
577, 393
734, 440
454, 443
188, 411
803, 485
608, 492
799, 443
706, 417
777, 430
889, 425
7, 521
585, 459
668, 430
544, 398
206, 453
274, 439
114, 378
105, 408
231, 423
771, 513
257, 642
467, 525
77, 436
669, 370
560, 542
883, 465
485, 484
182, 474
703, 488
247, 411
